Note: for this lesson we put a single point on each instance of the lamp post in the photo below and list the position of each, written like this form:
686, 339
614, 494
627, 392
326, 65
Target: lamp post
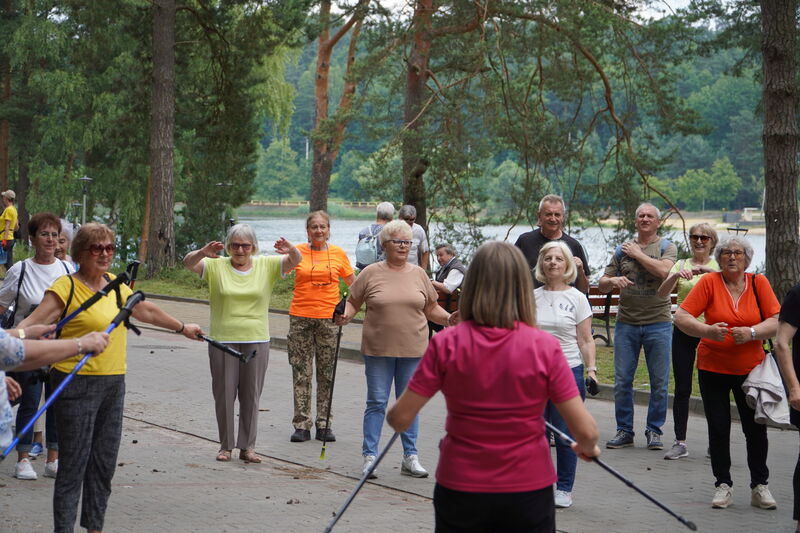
85, 181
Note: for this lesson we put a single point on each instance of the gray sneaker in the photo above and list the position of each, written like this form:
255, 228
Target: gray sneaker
677, 451
653, 441
369, 460
623, 439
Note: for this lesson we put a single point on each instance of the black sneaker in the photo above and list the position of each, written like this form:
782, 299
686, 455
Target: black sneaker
325, 435
300, 435
622, 440
653, 441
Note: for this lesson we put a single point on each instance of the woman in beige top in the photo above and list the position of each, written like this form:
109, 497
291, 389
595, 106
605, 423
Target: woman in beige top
400, 300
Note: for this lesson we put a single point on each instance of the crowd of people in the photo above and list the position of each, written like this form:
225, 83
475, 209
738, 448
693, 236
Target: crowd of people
507, 337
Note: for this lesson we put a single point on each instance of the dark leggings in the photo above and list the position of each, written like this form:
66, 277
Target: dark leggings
716, 389
684, 349
490, 512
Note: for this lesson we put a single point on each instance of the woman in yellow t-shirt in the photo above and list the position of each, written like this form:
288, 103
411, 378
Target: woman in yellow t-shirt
311, 338
239, 290
89, 411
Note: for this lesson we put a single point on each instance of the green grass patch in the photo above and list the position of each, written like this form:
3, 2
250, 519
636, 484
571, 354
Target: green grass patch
641, 381
334, 210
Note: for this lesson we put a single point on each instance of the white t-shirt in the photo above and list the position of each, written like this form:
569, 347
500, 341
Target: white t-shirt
453, 280
419, 246
38, 279
559, 313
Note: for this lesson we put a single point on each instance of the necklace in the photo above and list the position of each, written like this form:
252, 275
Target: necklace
549, 299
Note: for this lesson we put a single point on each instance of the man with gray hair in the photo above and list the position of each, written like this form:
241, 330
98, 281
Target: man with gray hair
644, 321
419, 253
368, 249
551, 226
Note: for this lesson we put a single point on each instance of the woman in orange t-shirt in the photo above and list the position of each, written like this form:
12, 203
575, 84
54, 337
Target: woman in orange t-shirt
311, 333
736, 320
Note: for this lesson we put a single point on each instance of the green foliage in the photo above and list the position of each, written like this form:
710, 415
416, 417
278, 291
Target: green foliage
277, 172
699, 189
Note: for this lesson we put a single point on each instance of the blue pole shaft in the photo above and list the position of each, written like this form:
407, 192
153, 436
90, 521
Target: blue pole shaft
51, 399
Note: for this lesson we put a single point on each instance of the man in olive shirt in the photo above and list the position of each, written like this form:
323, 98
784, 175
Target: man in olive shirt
643, 321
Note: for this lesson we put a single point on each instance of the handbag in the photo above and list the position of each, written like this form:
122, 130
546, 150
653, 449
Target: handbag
764, 388
7, 319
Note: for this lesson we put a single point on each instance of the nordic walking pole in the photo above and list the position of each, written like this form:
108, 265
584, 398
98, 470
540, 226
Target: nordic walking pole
330, 398
338, 514
133, 272
227, 349
338, 310
121, 278
566, 438
123, 316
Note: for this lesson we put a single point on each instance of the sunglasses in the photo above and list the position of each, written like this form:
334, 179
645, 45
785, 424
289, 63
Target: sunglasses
701, 238
735, 253
245, 246
97, 249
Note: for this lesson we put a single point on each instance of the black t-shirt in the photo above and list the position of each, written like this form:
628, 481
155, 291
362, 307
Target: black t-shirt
790, 313
531, 242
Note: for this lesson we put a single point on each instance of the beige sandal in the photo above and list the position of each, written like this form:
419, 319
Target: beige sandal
224, 455
249, 456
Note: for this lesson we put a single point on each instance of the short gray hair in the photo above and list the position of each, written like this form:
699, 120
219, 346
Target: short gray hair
647, 204
384, 211
447, 248
551, 199
726, 242
245, 231
407, 211
395, 228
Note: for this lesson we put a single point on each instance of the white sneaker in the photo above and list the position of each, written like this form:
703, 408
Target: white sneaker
24, 470
762, 498
723, 496
369, 460
411, 467
563, 499
51, 469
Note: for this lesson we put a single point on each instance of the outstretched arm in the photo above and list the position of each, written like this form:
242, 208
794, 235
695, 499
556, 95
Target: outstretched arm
194, 260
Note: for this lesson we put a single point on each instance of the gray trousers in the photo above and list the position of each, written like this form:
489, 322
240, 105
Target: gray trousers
231, 378
89, 420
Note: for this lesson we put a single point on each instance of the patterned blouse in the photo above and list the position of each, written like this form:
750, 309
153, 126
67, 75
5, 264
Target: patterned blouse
12, 354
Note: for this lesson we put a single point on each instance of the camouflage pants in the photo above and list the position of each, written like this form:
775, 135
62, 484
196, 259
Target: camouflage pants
310, 340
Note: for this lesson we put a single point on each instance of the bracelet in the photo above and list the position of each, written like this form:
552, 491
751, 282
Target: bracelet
21, 333
753, 333
182, 327
80, 348
591, 369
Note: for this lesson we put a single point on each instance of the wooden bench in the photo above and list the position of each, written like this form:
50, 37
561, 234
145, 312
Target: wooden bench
605, 307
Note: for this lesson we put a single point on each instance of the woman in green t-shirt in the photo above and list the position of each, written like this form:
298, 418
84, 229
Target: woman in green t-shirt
684, 275
239, 290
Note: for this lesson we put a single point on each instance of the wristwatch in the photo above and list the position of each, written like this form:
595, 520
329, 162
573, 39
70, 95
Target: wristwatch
753, 333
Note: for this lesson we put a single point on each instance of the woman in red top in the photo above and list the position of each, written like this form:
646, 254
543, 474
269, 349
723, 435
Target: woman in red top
497, 371
730, 347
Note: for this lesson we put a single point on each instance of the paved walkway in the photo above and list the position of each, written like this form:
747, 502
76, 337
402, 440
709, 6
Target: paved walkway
168, 480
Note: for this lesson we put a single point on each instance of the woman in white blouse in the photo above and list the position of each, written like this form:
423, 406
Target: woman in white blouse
564, 312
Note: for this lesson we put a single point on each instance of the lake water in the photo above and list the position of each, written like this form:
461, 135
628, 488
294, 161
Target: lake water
344, 232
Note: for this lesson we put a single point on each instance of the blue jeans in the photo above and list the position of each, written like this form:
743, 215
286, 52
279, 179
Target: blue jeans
30, 381
380, 372
566, 460
628, 342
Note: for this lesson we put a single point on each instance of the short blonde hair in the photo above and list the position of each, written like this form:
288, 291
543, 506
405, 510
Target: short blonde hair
89, 234
245, 231
706, 228
395, 227
570, 273
498, 290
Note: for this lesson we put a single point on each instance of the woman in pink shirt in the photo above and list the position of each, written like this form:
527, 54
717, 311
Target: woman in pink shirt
497, 371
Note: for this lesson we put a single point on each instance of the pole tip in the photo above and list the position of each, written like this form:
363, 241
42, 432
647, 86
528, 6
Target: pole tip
691, 525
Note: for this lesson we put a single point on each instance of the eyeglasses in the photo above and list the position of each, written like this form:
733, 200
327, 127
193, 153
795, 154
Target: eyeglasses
97, 249
244, 246
736, 253
323, 267
399, 242
701, 238
46, 234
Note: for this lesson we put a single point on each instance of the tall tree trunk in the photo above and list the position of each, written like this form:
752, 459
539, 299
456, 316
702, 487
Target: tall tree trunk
160, 212
780, 137
327, 136
5, 94
414, 162
23, 185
